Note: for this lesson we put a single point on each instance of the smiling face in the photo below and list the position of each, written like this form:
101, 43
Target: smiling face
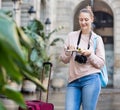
85, 21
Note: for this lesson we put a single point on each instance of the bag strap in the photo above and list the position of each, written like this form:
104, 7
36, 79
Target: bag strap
95, 44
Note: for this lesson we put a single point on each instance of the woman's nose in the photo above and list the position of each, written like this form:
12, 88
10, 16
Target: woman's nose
83, 22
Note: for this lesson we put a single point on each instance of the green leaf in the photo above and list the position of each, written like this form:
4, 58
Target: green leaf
2, 107
2, 76
8, 34
35, 26
24, 40
33, 55
35, 80
55, 30
14, 95
11, 68
56, 40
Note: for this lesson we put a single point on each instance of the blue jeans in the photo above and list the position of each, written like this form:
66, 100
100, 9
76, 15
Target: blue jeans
83, 91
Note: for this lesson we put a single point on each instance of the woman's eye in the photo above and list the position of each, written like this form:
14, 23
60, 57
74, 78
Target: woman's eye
80, 19
85, 19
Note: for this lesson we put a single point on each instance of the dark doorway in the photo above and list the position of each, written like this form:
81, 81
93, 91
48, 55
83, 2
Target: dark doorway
104, 27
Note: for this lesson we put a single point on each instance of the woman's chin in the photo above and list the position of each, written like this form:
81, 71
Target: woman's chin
84, 28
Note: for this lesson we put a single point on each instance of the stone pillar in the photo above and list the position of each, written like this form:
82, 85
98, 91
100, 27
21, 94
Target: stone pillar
0, 4
116, 77
115, 5
47, 11
17, 12
38, 4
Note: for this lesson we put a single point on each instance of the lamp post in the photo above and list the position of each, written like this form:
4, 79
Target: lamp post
47, 26
92, 3
92, 6
16, 10
31, 12
47, 31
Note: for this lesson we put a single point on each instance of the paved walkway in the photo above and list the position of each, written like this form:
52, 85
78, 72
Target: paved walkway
109, 100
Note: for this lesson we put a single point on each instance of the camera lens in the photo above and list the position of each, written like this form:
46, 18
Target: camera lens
84, 58
80, 59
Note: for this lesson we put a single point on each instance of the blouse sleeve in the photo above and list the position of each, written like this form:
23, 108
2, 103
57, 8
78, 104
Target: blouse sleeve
65, 55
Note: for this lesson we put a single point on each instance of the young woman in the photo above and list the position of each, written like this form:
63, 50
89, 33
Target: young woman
85, 62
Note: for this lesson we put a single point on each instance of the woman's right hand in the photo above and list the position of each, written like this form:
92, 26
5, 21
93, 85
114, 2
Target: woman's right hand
71, 48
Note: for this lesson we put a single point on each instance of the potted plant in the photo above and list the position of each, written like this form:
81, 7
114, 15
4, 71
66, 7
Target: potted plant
13, 63
41, 44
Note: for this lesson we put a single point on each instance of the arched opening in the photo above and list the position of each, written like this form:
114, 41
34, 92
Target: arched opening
103, 26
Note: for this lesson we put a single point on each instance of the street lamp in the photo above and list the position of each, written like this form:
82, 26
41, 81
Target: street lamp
47, 25
31, 12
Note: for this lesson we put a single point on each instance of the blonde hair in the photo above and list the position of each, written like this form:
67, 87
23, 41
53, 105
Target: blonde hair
88, 9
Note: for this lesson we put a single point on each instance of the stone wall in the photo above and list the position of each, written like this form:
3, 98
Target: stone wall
65, 11
61, 13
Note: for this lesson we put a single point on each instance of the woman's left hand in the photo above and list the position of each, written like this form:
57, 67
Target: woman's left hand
86, 53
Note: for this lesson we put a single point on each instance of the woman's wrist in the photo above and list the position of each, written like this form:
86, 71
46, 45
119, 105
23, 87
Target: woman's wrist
68, 53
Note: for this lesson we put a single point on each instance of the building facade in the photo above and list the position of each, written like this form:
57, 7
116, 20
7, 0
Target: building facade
65, 13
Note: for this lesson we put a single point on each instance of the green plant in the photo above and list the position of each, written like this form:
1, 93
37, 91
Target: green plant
13, 63
41, 44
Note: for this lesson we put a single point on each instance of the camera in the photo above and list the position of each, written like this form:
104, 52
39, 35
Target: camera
80, 58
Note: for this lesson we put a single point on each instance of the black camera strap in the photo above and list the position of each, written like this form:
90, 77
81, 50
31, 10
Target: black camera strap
78, 42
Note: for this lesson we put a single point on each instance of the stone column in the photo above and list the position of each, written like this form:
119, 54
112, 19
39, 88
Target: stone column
47, 11
38, 4
116, 75
17, 12
0, 4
